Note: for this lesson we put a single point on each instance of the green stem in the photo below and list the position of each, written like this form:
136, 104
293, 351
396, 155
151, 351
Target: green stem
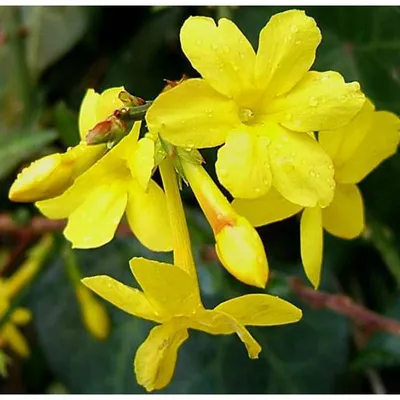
384, 241
183, 256
224, 12
71, 265
21, 71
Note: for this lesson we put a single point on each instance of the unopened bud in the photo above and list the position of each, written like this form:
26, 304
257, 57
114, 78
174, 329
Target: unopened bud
110, 130
130, 100
238, 244
241, 251
52, 175
94, 314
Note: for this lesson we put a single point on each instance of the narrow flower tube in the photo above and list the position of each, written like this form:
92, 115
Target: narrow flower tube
238, 244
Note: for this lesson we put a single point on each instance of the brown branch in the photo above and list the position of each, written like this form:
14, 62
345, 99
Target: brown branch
41, 225
361, 316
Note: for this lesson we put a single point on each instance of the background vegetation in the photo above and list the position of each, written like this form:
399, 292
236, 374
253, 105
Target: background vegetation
48, 57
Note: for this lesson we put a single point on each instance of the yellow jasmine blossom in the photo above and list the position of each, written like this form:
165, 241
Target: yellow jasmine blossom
9, 333
96, 202
262, 106
356, 149
51, 175
238, 244
170, 298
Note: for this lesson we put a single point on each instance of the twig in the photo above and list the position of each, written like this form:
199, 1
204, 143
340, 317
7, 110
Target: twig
41, 225
361, 316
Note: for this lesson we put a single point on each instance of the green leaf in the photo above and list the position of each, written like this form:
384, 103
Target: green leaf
19, 146
53, 31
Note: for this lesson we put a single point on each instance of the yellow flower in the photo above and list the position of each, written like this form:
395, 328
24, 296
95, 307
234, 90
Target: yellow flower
51, 175
356, 149
96, 202
238, 244
94, 315
9, 334
170, 298
262, 106
10, 287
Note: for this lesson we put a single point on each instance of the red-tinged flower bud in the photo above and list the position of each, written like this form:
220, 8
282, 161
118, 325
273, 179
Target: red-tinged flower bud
238, 244
106, 131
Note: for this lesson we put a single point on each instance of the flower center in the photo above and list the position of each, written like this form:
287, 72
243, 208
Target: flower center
246, 115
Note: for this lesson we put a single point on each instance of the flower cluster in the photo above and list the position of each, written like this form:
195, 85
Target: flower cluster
293, 140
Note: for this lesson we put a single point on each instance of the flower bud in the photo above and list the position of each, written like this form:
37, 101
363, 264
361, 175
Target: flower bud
241, 252
52, 175
110, 130
238, 244
94, 314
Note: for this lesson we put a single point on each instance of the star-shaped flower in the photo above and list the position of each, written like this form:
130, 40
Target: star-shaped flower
170, 297
262, 106
356, 149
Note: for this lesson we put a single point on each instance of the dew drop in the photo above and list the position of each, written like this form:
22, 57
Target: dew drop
214, 46
235, 68
241, 55
223, 172
226, 49
190, 144
285, 138
257, 190
312, 172
330, 167
313, 101
260, 260
220, 217
183, 121
324, 78
198, 42
294, 28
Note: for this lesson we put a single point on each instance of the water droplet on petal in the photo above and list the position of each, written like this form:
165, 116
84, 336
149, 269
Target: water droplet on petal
257, 190
294, 28
223, 172
235, 67
312, 172
241, 55
324, 78
214, 46
220, 217
313, 101
226, 49
198, 42
190, 144
330, 167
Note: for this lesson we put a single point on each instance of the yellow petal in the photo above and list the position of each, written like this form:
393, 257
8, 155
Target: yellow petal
166, 286
94, 314
148, 216
286, 51
380, 142
193, 114
242, 253
21, 316
156, 357
108, 103
128, 299
345, 215
221, 54
340, 144
311, 234
95, 221
302, 172
260, 310
243, 164
15, 340
269, 208
320, 101
141, 162
87, 112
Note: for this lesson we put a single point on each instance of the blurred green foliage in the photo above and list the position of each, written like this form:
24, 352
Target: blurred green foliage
48, 57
